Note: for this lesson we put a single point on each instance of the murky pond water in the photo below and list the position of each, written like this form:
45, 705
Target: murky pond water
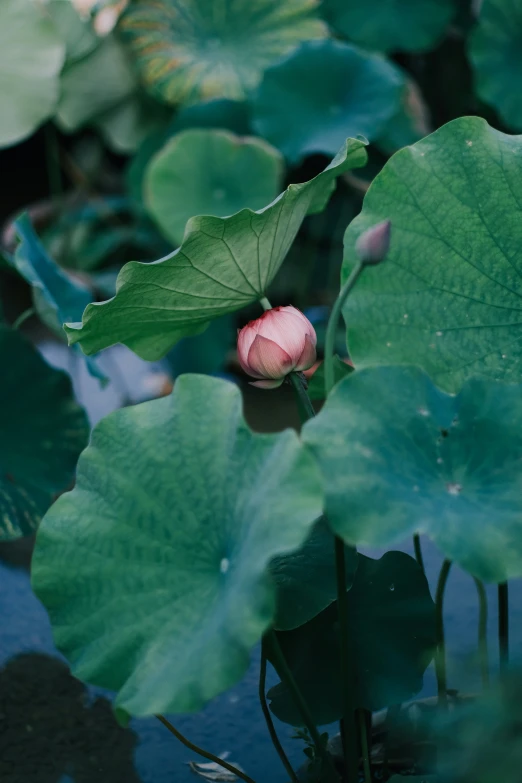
53, 729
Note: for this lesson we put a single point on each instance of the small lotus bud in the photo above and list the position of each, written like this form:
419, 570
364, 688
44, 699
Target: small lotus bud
373, 245
280, 342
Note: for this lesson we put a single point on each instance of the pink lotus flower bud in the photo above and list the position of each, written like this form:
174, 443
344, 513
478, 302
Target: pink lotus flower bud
280, 342
373, 245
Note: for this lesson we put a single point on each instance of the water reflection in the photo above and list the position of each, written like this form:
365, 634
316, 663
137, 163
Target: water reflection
52, 730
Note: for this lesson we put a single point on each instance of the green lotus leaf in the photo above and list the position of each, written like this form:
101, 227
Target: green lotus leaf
447, 466
495, 51
43, 432
185, 51
31, 58
322, 93
316, 384
448, 296
78, 35
209, 172
125, 126
222, 265
391, 25
392, 636
94, 85
220, 113
409, 123
57, 297
306, 579
154, 569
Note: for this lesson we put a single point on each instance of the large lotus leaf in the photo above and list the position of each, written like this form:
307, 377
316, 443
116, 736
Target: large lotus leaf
448, 297
57, 297
322, 93
209, 172
409, 123
43, 431
222, 265
125, 126
421, 461
392, 638
94, 85
306, 579
190, 50
495, 50
31, 57
391, 25
154, 569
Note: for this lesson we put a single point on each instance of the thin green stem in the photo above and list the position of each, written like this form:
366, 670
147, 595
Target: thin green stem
349, 726
440, 657
365, 746
483, 631
306, 409
268, 718
23, 317
288, 678
329, 346
204, 753
503, 624
265, 304
418, 551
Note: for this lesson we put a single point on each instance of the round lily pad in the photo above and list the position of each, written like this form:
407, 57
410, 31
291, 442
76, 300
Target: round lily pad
391, 25
189, 50
322, 93
392, 632
495, 51
31, 57
422, 461
209, 172
448, 297
43, 432
154, 569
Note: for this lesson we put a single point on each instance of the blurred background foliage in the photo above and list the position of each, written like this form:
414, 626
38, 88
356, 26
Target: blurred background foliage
123, 118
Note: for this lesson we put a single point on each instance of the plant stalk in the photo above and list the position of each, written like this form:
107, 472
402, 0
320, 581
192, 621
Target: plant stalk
265, 304
268, 718
204, 753
329, 345
483, 632
440, 657
288, 678
304, 403
418, 551
23, 317
503, 625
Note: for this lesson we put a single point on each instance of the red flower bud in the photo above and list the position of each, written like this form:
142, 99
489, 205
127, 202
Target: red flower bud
373, 245
271, 347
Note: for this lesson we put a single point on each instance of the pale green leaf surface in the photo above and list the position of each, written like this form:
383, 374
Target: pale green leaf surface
209, 172
449, 295
222, 265
31, 57
421, 461
154, 569
191, 50
43, 431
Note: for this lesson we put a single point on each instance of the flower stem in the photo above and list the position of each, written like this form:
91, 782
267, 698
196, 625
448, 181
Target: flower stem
204, 753
23, 317
503, 624
440, 656
265, 304
329, 346
268, 718
482, 632
418, 551
288, 678
304, 403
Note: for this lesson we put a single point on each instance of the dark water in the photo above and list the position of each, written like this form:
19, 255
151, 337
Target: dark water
53, 730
